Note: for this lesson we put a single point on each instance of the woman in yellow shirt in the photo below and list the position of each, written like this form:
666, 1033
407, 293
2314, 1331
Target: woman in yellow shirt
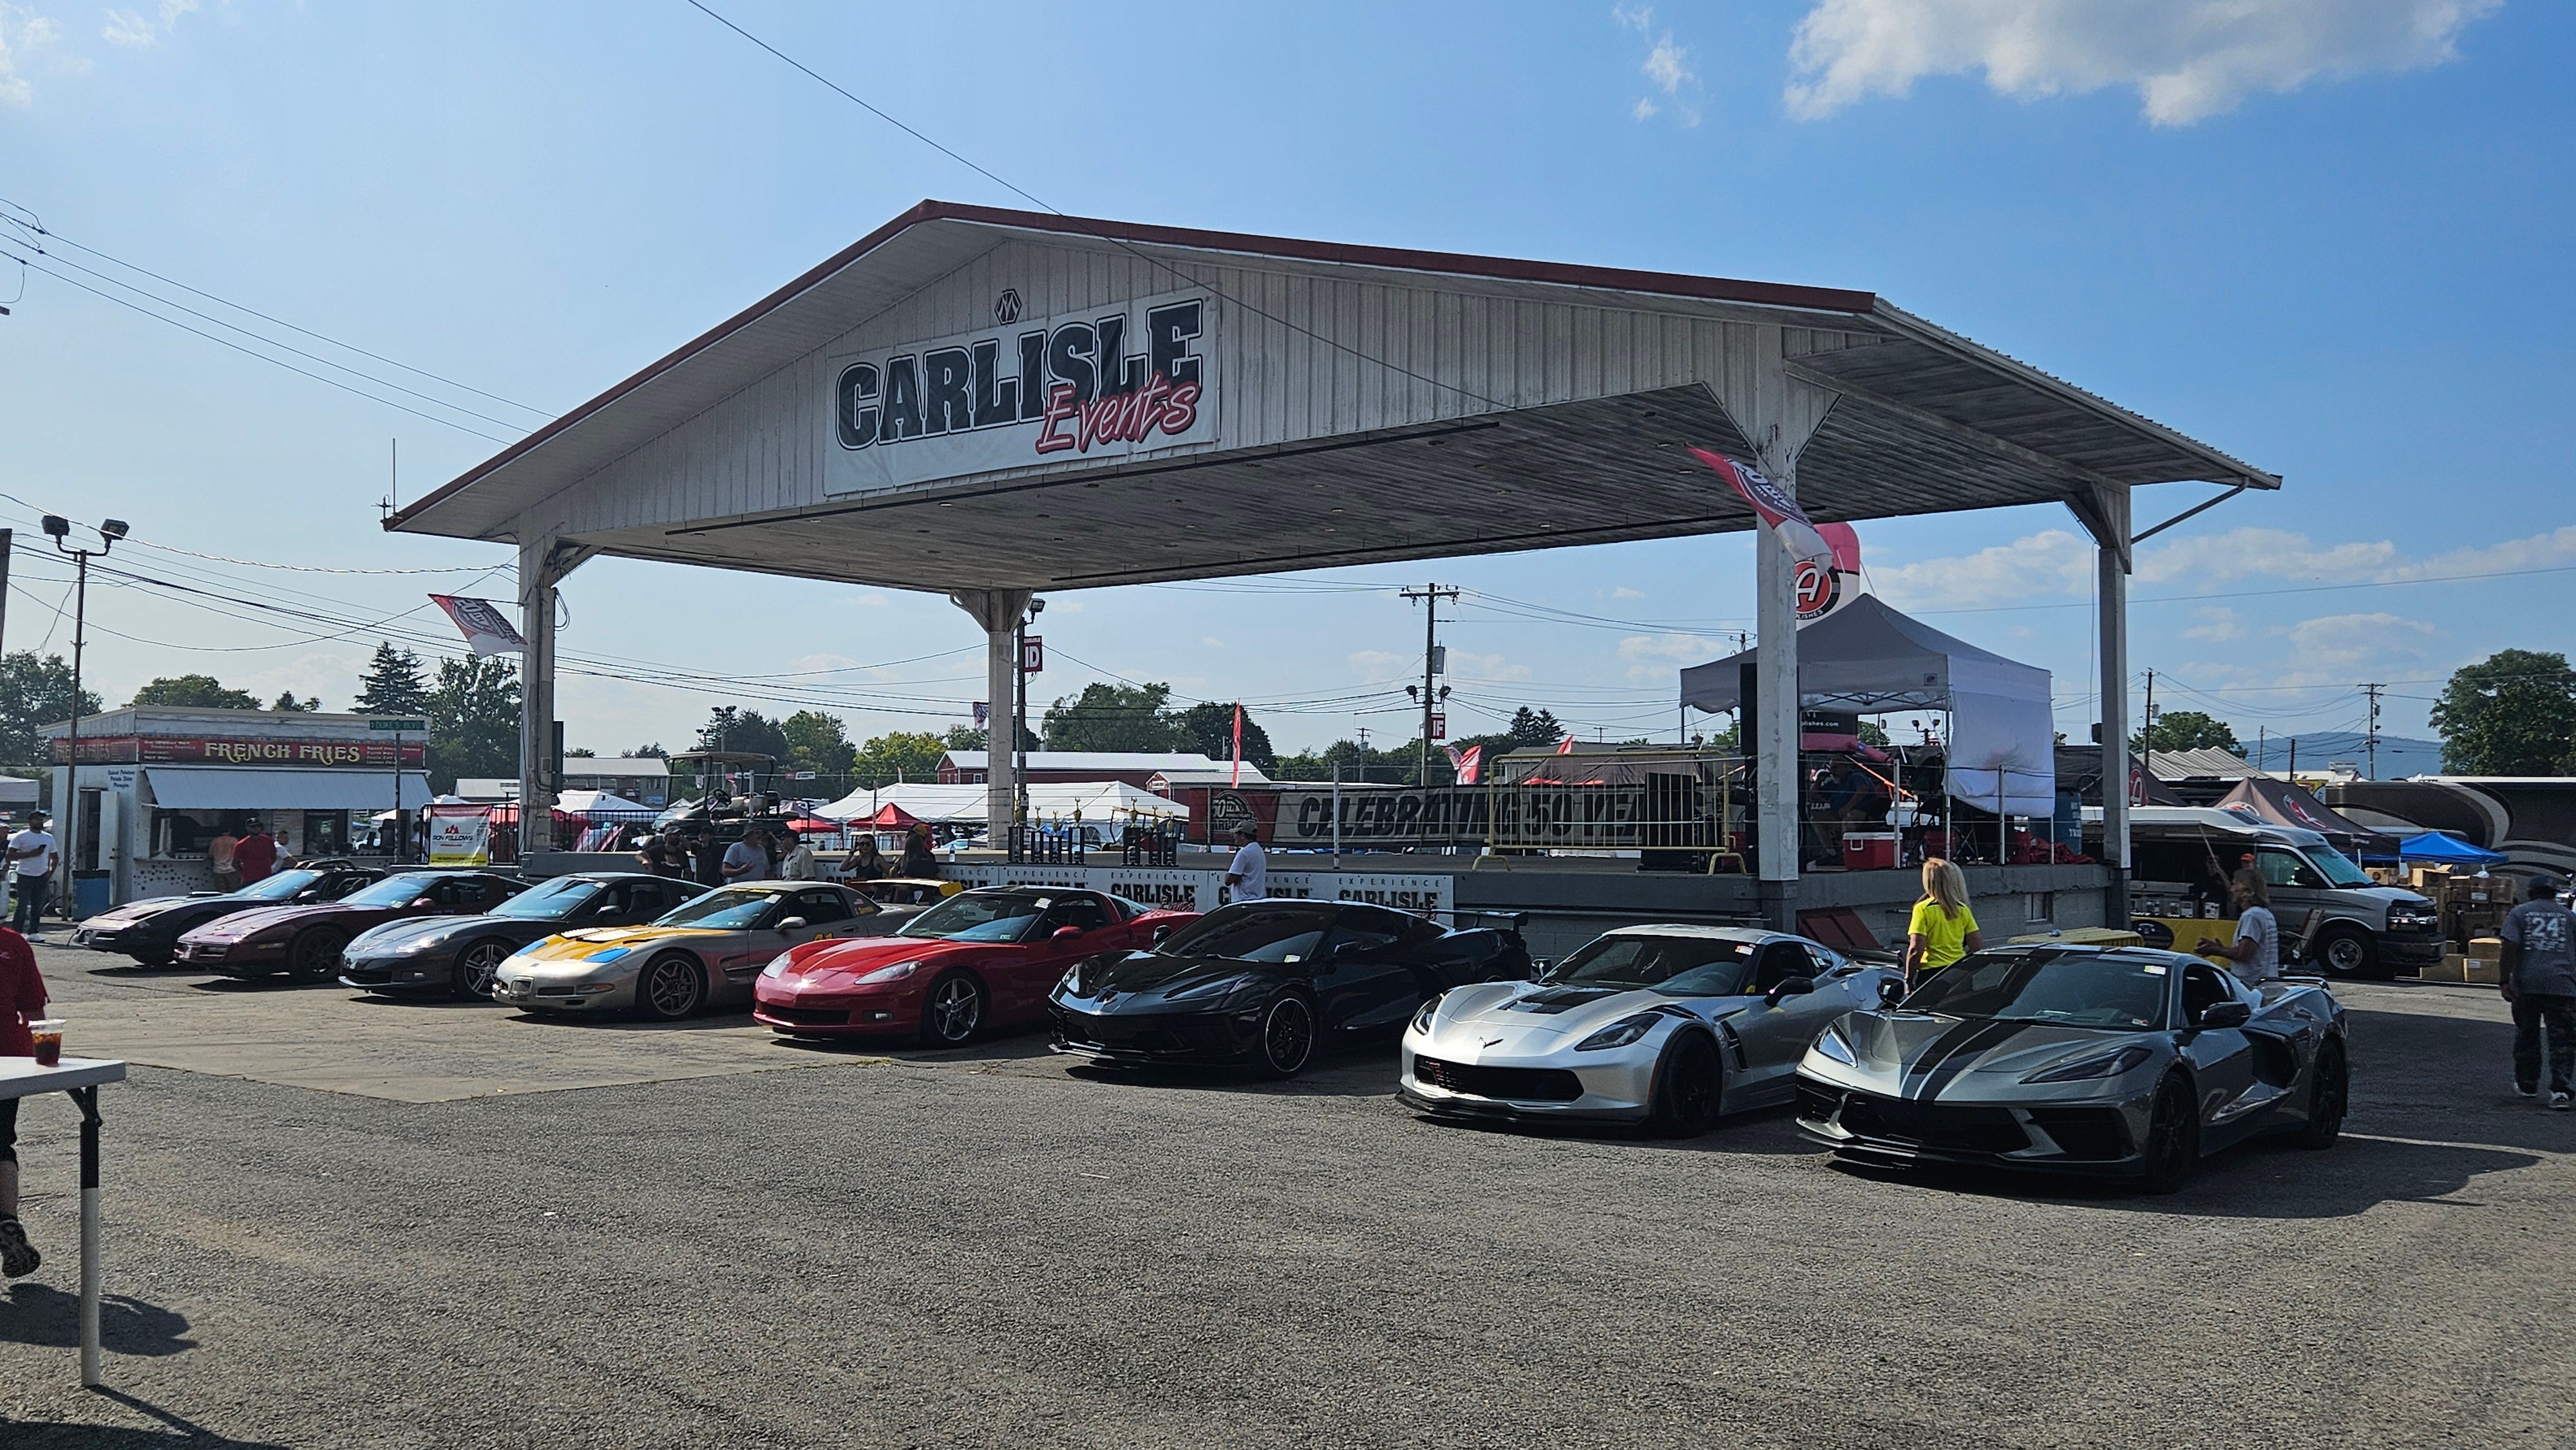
1943, 929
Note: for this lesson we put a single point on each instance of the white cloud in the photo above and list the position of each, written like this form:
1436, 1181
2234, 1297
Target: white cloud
1654, 656
133, 31
2052, 561
1624, 592
2216, 625
24, 35
1211, 641
1378, 664
1645, 109
2187, 59
1485, 669
1667, 65
873, 600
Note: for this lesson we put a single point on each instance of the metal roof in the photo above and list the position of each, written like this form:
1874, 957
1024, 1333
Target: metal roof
1435, 404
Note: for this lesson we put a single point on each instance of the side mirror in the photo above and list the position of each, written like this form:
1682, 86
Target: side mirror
2226, 1014
1162, 932
793, 923
1890, 991
1539, 968
1067, 933
1789, 987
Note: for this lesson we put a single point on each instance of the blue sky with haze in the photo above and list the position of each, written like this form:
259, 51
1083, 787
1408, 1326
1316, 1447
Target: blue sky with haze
2326, 237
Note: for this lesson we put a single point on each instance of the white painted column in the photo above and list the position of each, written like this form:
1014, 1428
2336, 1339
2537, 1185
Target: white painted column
2112, 560
538, 574
998, 612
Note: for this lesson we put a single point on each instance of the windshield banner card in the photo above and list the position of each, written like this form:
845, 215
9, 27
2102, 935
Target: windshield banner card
1181, 890
1102, 385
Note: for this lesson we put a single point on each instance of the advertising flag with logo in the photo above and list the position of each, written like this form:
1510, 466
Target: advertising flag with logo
1819, 554
486, 629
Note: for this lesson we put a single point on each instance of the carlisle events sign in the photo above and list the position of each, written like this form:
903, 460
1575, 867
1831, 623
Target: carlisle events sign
1104, 384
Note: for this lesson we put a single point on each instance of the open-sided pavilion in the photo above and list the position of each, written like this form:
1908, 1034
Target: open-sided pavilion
988, 403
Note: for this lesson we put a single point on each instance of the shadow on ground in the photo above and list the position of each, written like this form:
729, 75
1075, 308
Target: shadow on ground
40, 1314
181, 1435
1770, 1132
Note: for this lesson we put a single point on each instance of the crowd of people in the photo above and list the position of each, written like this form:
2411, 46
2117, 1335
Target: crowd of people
695, 851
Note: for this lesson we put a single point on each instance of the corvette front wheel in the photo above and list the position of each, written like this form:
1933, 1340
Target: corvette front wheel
2173, 1138
1287, 1035
1689, 1085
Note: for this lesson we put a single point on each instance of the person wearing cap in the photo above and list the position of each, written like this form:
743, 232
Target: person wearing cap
1247, 878
2537, 973
22, 1000
31, 857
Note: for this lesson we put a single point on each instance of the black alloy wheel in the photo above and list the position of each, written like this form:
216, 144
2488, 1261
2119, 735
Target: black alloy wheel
2329, 1097
476, 966
1287, 1035
672, 986
953, 1011
1689, 1085
2343, 952
2173, 1138
315, 955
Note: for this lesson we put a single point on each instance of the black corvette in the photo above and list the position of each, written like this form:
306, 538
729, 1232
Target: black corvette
149, 930
1270, 983
457, 955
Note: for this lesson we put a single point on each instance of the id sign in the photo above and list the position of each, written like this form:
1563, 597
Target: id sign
1105, 385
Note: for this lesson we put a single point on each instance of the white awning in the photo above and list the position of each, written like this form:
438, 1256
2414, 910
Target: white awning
228, 788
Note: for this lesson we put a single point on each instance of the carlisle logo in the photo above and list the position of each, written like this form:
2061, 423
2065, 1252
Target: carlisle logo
1114, 381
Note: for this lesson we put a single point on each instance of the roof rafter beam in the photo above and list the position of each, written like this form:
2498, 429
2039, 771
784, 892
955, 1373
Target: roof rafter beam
2072, 474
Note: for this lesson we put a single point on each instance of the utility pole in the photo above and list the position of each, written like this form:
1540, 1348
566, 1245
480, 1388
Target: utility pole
69, 811
1430, 595
2259, 732
2373, 739
2147, 734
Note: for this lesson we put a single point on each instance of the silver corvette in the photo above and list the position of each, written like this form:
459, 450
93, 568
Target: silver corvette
1664, 1025
2123, 1062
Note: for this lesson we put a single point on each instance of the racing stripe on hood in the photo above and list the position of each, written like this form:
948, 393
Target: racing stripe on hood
1951, 1054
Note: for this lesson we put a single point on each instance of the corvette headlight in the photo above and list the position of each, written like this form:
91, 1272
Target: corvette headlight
609, 955
2109, 1064
1422, 1019
1621, 1033
1217, 987
1830, 1043
895, 973
777, 968
1070, 984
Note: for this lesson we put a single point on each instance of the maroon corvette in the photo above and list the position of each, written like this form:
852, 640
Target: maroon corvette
304, 942
984, 958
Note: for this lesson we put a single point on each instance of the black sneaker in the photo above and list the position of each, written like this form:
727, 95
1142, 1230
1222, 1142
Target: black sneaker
18, 1258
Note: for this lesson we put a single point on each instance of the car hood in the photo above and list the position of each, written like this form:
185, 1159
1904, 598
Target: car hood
144, 910
241, 924
1143, 972
837, 964
441, 930
1535, 1014
1918, 1055
574, 945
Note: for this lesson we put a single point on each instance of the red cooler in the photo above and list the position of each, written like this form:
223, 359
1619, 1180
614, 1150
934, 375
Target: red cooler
1869, 851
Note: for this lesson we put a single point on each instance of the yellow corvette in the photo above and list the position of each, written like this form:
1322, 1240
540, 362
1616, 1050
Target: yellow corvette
705, 952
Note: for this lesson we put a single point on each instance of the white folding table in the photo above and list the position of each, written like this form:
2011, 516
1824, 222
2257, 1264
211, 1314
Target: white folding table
21, 1077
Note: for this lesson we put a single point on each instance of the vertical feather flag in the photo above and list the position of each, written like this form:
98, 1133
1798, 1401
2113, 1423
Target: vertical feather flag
1788, 523
1238, 746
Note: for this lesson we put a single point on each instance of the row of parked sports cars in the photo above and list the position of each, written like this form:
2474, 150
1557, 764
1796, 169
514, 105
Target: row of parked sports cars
2126, 1062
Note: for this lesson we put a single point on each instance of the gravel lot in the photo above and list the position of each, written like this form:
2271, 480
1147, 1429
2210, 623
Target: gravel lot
787, 1247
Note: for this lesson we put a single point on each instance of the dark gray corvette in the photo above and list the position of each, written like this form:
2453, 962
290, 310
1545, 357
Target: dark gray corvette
457, 955
2124, 1062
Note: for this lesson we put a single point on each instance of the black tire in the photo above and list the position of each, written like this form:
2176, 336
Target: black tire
952, 1011
2329, 1097
2172, 1149
1690, 1086
471, 977
314, 956
160, 957
670, 987
2345, 953
1287, 1041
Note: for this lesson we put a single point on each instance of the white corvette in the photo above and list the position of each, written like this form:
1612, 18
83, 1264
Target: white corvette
1664, 1025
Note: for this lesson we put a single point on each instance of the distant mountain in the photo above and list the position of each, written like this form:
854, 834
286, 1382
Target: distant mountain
2399, 756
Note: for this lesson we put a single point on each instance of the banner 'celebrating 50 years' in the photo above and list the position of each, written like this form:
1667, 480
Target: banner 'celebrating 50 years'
1104, 384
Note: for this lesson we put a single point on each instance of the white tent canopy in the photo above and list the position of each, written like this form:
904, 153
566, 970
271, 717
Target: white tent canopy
1867, 657
584, 802
1093, 800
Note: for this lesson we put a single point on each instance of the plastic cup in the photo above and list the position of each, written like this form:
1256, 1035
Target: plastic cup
48, 1032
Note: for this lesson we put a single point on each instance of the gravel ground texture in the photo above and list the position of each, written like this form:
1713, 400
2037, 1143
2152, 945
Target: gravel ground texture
991, 1248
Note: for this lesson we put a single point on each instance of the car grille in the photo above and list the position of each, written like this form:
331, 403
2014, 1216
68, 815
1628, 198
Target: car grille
1127, 1034
369, 973
2085, 1132
202, 952
808, 1016
1525, 1084
1932, 1125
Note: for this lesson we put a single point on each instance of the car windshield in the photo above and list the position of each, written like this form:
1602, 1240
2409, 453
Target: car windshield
392, 891
281, 886
975, 916
2085, 989
1679, 966
1252, 932
557, 900
730, 908
2338, 869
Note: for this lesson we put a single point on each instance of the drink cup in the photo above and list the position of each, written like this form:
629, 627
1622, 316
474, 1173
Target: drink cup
48, 1032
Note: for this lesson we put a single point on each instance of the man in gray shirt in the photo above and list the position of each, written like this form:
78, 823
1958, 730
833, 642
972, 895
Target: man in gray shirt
2539, 978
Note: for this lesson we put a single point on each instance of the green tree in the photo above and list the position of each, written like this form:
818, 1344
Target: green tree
1111, 717
744, 732
473, 714
967, 737
391, 684
581, 754
203, 692
1208, 728
2186, 730
35, 693
906, 755
653, 751
818, 742
2512, 713
1533, 727
286, 701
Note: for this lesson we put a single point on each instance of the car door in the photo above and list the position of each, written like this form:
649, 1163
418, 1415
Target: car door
1774, 1036
1363, 982
1021, 977
2221, 1058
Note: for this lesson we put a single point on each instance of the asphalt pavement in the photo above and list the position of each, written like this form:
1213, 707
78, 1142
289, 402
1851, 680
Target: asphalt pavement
325, 1232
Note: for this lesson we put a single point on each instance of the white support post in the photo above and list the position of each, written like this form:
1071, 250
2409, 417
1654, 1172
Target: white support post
2112, 561
998, 612
540, 568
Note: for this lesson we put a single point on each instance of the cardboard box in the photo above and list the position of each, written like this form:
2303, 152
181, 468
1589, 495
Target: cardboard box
2452, 968
2486, 949
2486, 972
2429, 879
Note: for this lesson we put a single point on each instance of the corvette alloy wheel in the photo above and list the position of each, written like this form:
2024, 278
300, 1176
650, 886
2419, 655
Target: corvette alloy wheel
315, 956
2329, 1097
1687, 1085
1287, 1036
671, 988
476, 967
2173, 1138
953, 1012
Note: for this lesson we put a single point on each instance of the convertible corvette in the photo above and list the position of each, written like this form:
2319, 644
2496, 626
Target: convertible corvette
981, 958
704, 952
304, 942
149, 930
1664, 1025
1271, 982
2122, 1062
458, 955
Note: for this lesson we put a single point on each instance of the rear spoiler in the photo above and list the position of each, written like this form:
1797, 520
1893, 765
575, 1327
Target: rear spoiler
1514, 920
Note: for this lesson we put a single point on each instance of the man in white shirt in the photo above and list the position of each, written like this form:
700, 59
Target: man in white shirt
1248, 879
31, 855
2255, 955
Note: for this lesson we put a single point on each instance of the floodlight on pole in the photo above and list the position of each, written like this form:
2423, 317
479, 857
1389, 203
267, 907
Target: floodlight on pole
69, 808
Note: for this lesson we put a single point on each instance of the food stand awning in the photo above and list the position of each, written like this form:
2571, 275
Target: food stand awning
231, 788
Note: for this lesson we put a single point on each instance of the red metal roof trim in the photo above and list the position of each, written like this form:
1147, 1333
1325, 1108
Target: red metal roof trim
1561, 274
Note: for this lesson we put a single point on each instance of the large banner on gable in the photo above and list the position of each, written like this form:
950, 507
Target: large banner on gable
1100, 385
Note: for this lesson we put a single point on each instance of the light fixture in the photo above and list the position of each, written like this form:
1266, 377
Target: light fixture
57, 525
113, 528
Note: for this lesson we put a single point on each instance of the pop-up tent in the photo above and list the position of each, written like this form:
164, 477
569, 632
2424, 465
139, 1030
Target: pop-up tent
1867, 657
2287, 803
1093, 800
2435, 849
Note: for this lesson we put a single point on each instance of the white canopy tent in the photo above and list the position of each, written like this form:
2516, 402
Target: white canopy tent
1049, 801
1867, 657
602, 802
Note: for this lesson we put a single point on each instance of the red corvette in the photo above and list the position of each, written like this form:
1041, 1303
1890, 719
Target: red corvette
984, 958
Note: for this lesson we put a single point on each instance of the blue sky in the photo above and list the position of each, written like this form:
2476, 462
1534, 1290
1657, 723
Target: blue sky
2326, 237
